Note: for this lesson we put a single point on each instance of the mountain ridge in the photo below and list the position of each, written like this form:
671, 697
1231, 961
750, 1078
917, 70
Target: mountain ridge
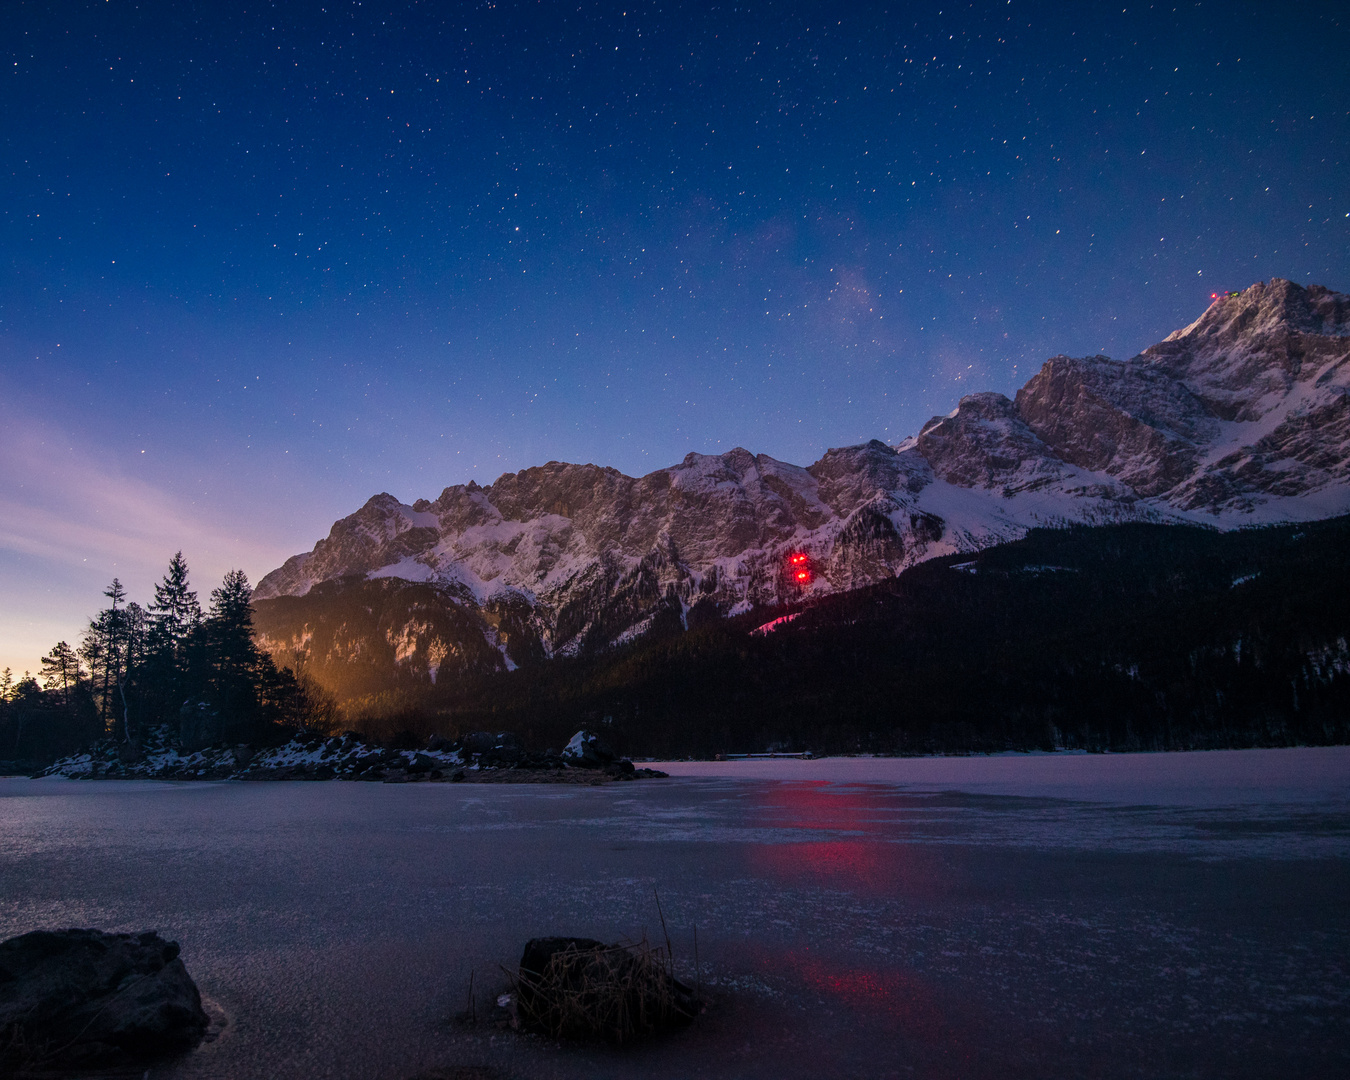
1242, 417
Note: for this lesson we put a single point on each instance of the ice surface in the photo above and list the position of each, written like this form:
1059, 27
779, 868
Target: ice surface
1208, 778
1024, 916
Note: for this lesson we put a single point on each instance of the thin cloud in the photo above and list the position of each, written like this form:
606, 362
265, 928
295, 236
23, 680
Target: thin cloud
70, 522
62, 504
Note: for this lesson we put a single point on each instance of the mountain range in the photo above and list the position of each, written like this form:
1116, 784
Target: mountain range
1241, 418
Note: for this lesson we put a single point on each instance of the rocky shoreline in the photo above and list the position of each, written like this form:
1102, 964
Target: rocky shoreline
480, 757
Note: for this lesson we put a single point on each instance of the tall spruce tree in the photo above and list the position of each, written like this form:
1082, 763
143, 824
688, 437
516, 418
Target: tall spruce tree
175, 610
233, 663
175, 617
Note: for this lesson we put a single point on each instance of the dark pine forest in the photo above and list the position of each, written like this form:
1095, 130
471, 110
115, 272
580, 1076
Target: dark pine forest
199, 672
1128, 637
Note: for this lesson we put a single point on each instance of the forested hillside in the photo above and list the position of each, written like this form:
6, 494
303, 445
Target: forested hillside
1132, 637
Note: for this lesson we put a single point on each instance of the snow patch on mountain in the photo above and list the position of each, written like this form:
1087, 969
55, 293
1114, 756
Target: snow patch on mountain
407, 568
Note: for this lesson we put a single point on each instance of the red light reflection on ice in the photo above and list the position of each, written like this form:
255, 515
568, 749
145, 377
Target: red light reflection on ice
895, 993
846, 863
902, 998
867, 852
818, 804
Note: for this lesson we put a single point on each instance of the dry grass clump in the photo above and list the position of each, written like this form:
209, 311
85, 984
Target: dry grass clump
576, 988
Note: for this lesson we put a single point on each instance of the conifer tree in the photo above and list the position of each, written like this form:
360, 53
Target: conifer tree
233, 662
6, 693
102, 649
175, 618
175, 609
61, 671
114, 648
135, 627
24, 702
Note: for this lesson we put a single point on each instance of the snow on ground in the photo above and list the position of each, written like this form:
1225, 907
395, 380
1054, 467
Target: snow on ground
1198, 778
302, 757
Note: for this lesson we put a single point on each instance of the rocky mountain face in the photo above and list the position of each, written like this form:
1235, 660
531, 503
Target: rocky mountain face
1243, 417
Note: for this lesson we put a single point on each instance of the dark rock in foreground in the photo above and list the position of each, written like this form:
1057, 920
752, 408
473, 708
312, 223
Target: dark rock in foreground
75, 999
579, 988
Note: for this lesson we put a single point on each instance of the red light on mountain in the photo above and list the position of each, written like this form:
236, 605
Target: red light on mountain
803, 575
799, 569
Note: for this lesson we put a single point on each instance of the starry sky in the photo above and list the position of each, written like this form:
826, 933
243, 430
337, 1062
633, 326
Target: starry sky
261, 261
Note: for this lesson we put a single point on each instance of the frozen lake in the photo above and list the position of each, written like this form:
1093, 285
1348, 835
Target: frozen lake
1122, 916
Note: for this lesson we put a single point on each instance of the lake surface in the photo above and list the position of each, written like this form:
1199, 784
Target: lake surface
1134, 915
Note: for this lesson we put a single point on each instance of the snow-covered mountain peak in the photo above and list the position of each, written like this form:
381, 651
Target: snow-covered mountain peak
1276, 305
1245, 354
1242, 417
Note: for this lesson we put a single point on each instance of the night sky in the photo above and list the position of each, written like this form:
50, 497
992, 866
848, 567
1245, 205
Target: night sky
260, 262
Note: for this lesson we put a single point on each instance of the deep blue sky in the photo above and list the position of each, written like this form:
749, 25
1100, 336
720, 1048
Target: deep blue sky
262, 261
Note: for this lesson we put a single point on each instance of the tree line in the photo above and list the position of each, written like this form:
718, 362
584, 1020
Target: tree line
137, 669
1119, 637
1125, 637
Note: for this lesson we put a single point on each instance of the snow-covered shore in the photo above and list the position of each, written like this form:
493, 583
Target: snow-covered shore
480, 757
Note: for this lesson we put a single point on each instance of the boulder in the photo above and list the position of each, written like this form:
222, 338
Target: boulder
86, 999
580, 988
482, 742
588, 750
